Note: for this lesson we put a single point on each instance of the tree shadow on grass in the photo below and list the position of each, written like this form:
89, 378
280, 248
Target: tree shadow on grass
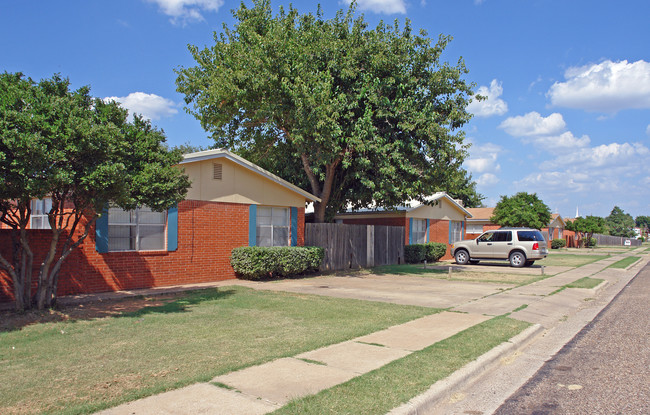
122, 307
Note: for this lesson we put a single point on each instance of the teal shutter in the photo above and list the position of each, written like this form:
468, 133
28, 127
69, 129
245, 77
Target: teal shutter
294, 226
252, 225
410, 231
101, 232
172, 229
450, 222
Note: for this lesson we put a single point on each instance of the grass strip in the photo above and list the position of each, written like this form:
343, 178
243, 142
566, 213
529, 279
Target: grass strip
585, 282
82, 366
383, 389
625, 262
418, 270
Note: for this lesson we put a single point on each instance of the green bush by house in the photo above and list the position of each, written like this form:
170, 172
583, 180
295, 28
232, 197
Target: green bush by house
558, 243
256, 262
431, 252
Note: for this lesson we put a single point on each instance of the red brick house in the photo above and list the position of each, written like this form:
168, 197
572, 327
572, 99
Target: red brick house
442, 219
231, 203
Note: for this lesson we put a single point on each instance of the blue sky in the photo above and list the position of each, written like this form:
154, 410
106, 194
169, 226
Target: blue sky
568, 113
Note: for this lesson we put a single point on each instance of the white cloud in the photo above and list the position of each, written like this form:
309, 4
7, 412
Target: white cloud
493, 105
184, 11
381, 6
150, 106
605, 87
487, 179
533, 124
610, 158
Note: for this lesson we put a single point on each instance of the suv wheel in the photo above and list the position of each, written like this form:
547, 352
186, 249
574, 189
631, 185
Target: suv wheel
462, 257
517, 259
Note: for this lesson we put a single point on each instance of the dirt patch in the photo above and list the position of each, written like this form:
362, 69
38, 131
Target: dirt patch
11, 320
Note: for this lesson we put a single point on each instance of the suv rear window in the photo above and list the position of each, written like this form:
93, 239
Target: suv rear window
526, 236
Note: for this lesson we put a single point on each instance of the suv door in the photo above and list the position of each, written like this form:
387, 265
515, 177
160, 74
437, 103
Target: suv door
501, 244
483, 248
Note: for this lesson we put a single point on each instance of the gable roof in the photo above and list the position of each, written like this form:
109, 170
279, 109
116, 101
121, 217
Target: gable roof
482, 213
223, 153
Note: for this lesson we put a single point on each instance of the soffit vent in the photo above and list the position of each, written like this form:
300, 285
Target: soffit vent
217, 171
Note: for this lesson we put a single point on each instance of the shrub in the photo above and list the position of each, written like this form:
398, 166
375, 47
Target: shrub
435, 251
414, 254
256, 262
558, 243
591, 242
430, 252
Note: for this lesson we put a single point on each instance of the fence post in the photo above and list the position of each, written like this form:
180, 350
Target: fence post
370, 246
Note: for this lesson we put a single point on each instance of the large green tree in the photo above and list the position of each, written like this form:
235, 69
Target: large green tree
586, 227
620, 223
522, 210
358, 116
82, 153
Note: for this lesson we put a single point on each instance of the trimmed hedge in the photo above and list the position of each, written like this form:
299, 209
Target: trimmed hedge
558, 243
257, 262
431, 252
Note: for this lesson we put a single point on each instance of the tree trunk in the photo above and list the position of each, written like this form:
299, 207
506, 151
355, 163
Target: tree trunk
324, 192
43, 296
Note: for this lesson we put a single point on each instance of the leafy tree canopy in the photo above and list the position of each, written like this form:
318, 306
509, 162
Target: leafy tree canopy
620, 223
83, 154
642, 221
586, 227
356, 115
522, 210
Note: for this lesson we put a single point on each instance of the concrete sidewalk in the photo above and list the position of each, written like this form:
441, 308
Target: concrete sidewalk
264, 388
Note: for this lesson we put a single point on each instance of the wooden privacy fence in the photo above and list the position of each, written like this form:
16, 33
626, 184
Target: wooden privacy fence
609, 240
356, 246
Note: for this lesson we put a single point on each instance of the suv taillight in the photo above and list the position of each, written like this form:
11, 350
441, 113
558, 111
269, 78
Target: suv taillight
535, 246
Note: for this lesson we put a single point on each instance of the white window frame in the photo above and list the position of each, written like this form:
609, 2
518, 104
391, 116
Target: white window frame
136, 229
474, 228
419, 231
456, 231
276, 214
38, 218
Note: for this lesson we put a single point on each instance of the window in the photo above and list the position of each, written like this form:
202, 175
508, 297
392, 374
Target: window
528, 236
136, 230
272, 226
419, 231
40, 209
474, 228
455, 231
502, 236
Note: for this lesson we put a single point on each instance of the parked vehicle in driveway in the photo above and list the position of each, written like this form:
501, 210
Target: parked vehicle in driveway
521, 246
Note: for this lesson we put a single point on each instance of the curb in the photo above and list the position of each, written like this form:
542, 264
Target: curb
465, 375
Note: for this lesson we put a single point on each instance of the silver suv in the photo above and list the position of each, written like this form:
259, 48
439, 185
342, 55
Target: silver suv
521, 246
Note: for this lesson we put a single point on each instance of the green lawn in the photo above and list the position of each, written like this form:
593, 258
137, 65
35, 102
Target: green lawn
383, 389
570, 260
625, 262
81, 366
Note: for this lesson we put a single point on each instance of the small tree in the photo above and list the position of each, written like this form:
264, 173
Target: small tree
83, 154
586, 227
522, 210
643, 222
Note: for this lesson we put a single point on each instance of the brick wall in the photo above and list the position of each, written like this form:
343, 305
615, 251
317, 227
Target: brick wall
207, 232
439, 232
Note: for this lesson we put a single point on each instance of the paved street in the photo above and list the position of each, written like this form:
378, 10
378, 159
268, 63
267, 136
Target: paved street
605, 369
